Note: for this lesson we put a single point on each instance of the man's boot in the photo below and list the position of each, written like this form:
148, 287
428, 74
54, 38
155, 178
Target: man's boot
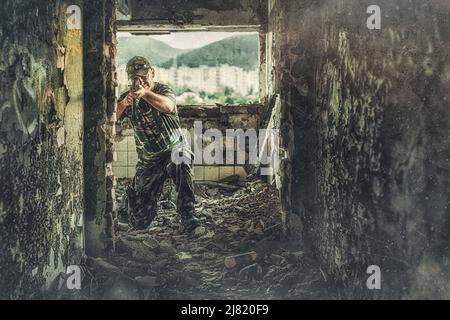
122, 215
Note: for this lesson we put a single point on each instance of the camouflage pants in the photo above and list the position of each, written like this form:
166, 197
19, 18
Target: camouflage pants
145, 189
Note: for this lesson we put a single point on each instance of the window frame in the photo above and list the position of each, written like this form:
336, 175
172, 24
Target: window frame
161, 29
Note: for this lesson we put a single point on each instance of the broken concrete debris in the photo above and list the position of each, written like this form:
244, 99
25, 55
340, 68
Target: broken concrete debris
233, 254
146, 281
122, 287
240, 259
253, 271
152, 243
183, 256
200, 231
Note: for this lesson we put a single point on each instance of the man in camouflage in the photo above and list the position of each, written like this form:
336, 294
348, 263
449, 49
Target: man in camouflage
152, 111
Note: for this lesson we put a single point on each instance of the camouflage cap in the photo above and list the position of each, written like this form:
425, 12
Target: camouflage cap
138, 66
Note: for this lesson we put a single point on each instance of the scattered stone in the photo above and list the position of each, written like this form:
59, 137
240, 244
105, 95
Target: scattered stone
191, 280
144, 255
209, 235
276, 259
231, 179
215, 246
146, 281
120, 226
273, 270
265, 246
168, 204
155, 229
234, 229
217, 185
197, 249
294, 257
211, 276
193, 267
136, 249
137, 237
244, 245
164, 234
149, 294
180, 237
166, 247
199, 231
160, 263
288, 279
163, 256
183, 256
151, 243
240, 259
258, 231
100, 264
207, 213
122, 287
212, 192
209, 255
134, 271
253, 271
175, 264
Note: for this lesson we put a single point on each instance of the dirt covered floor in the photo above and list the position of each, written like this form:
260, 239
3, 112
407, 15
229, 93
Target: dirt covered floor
238, 253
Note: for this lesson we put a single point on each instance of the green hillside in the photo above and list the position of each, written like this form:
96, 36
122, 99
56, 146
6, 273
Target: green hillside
240, 51
155, 51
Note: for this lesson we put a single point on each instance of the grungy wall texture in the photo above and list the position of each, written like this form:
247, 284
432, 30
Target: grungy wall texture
41, 114
371, 154
99, 126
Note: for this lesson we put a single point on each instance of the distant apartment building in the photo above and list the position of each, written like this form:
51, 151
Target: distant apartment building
203, 78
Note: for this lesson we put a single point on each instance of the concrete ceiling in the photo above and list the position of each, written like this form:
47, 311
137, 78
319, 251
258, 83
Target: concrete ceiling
140, 16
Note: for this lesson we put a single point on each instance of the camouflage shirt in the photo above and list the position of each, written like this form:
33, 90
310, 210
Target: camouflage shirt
155, 131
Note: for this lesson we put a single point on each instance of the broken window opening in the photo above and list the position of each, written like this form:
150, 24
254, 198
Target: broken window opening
209, 68
203, 68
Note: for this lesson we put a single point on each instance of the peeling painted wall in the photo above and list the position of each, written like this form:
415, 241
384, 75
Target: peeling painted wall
368, 178
41, 114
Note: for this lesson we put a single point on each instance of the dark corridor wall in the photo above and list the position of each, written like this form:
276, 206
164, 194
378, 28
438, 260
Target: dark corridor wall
371, 154
41, 113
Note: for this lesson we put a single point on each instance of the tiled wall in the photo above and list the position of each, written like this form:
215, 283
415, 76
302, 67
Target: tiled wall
125, 166
242, 117
127, 158
215, 173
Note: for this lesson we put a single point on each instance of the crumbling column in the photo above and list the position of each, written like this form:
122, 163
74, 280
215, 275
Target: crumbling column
99, 39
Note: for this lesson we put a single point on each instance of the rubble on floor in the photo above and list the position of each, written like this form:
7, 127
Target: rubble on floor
238, 252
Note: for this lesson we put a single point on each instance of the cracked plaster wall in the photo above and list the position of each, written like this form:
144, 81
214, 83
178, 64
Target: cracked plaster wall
366, 180
99, 123
41, 113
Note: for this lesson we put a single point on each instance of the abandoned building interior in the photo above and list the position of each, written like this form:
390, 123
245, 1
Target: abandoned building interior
363, 176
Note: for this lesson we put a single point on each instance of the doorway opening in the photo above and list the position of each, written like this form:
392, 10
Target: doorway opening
239, 250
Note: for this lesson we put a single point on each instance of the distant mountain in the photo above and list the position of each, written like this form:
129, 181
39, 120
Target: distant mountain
157, 52
240, 51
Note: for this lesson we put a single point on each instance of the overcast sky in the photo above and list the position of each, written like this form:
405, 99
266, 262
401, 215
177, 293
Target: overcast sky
190, 40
